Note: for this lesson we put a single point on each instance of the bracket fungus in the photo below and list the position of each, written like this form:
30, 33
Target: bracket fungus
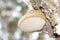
32, 21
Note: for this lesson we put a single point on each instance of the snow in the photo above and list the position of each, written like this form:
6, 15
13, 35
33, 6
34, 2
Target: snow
57, 21
46, 37
58, 29
16, 14
34, 36
18, 8
17, 34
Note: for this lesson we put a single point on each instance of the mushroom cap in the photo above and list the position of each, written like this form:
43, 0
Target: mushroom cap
34, 20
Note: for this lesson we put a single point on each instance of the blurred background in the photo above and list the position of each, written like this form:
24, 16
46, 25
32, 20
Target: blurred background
10, 12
